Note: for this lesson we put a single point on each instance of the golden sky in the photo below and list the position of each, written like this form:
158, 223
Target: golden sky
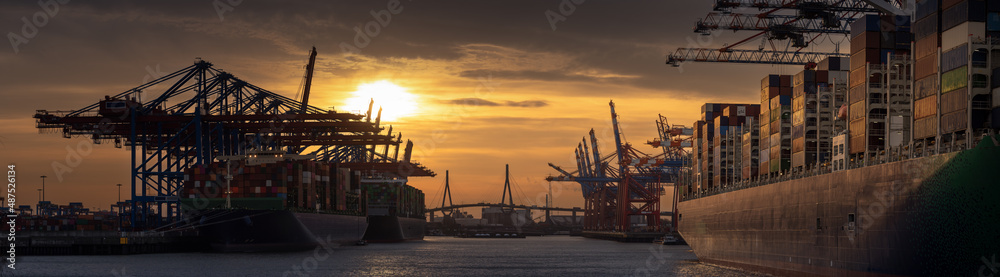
538, 89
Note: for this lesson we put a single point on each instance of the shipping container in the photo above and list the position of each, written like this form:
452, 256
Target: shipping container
927, 46
903, 40
925, 107
865, 56
925, 127
955, 58
926, 66
926, 8
961, 34
802, 90
857, 144
926, 27
834, 64
770, 81
857, 126
867, 40
865, 23
798, 145
798, 103
954, 121
768, 93
887, 41
858, 93
780, 100
955, 79
858, 77
962, 12
955, 100
925, 87
803, 77
993, 21
857, 110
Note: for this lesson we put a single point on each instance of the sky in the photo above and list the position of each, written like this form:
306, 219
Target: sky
492, 82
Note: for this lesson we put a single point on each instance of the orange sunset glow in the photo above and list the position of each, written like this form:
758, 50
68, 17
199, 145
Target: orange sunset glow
472, 91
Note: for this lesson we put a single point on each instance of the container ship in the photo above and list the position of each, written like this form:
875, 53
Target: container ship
273, 201
881, 164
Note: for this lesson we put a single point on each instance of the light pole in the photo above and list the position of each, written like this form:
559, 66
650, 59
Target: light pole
43, 188
38, 207
119, 193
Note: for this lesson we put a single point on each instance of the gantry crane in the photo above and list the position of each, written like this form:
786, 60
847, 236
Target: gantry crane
822, 17
620, 188
213, 113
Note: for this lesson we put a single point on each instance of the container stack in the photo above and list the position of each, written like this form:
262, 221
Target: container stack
876, 42
830, 99
727, 156
285, 184
394, 199
698, 156
955, 105
751, 147
774, 87
815, 102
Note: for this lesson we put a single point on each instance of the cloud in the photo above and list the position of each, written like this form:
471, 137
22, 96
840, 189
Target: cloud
471, 102
527, 104
488, 103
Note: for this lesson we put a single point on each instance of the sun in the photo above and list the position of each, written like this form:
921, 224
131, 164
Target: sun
395, 101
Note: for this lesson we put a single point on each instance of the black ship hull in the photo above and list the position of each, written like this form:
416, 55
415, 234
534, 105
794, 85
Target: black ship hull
929, 216
277, 230
394, 229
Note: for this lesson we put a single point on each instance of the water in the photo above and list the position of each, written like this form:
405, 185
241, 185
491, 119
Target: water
435, 256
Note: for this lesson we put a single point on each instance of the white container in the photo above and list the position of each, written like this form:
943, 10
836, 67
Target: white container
960, 34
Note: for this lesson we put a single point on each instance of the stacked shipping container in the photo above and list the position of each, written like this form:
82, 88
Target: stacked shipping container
773, 87
286, 184
952, 95
874, 40
727, 154
814, 104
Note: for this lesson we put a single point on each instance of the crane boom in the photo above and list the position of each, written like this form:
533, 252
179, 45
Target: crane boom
746, 56
309, 77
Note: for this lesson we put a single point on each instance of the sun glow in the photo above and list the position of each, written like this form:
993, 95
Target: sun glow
395, 101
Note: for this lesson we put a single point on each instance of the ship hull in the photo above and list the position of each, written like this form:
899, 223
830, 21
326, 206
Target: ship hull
394, 229
933, 215
277, 230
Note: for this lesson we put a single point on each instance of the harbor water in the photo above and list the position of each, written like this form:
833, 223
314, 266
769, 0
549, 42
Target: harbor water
435, 256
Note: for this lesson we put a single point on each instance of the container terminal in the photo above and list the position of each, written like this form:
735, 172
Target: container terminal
217, 156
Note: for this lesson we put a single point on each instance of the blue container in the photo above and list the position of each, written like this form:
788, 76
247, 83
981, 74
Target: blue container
926, 8
955, 58
926, 27
866, 23
969, 10
785, 100
993, 21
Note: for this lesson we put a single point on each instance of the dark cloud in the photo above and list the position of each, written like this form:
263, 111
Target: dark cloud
488, 103
471, 102
527, 104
